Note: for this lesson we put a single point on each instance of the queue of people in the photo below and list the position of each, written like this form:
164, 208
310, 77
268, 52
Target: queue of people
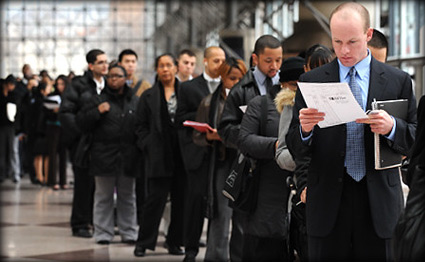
127, 138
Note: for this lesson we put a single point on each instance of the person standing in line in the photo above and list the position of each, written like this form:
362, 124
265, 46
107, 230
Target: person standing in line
128, 59
186, 63
267, 57
317, 55
409, 234
352, 208
56, 147
114, 156
218, 211
164, 170
9, 165
195, 158
378, 46
77, 94
24, 92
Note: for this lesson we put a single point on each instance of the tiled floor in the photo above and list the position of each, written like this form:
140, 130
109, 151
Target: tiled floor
34, 226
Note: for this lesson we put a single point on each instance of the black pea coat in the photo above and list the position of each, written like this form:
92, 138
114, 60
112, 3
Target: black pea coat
243, 91
268, 219
113, 151
157, 135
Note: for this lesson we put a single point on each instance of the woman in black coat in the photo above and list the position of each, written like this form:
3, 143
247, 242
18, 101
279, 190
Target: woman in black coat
114, 157
265, 234
164, 170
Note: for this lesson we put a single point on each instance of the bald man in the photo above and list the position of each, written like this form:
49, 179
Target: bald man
195, 157
352, 209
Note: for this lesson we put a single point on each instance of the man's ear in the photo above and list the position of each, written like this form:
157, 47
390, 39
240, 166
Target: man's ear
91, 66
254, 58
369, 34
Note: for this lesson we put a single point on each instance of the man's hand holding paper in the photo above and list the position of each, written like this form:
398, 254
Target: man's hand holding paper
334, 102
309, 117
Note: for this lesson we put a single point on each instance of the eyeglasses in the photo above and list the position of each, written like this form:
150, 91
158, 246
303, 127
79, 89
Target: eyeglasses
114, 76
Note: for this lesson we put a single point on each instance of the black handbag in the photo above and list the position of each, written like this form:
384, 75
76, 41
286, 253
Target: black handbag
242, 184
82, 153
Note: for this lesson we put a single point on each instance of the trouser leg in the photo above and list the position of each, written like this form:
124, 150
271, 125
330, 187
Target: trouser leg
218, 227
82, 204
126, 208
153, 208
103, 213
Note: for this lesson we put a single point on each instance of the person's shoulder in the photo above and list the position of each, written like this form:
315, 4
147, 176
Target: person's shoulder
193, 83
387, 69
247, 80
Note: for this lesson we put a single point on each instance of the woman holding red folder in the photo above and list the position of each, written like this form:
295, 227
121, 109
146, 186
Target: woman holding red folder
209, 111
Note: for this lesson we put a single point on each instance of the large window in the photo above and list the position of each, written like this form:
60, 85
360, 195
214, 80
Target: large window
55, 35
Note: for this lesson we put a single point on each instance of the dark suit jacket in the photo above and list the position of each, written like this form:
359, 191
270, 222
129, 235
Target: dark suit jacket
327, 150
191, 95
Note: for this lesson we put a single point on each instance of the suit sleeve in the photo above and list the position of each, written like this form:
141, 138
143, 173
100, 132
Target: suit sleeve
406, 129
199, 138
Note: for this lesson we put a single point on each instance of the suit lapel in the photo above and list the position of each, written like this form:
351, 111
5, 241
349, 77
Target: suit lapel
332, 72
377, 82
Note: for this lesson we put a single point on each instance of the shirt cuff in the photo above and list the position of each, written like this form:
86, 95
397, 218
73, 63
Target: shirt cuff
307, 138
391, 136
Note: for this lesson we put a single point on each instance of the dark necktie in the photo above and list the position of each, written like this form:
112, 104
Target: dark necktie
355, 152
268, 83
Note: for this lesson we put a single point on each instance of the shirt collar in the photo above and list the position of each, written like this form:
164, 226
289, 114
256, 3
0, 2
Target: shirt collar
362, 67
259, 76
210, 79
99, 84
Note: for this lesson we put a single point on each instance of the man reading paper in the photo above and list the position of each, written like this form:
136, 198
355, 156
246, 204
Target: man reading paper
352, 209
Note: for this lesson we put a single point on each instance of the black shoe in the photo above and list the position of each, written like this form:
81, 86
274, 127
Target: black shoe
103, 242
202, 243
174, 250
129, 241
139, 251
82, 232
190, 257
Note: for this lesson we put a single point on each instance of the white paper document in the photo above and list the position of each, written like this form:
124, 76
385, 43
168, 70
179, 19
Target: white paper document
52, 102
243, 108
11, 111
334, 99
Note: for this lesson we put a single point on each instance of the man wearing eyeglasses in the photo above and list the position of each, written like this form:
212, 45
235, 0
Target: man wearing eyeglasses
77, 94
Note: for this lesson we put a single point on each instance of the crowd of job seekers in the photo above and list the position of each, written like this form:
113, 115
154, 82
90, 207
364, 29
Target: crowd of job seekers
318, 195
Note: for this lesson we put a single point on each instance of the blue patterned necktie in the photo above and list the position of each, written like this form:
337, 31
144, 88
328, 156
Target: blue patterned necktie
355, 154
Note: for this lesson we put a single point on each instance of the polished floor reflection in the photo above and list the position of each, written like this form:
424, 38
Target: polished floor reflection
34, 226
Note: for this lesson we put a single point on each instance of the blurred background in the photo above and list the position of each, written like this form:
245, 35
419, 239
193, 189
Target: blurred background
55, 35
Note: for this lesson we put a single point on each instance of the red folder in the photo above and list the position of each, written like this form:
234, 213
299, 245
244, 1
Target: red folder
201, 127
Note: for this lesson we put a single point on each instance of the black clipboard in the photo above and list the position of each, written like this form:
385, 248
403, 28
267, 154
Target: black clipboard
385, 156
